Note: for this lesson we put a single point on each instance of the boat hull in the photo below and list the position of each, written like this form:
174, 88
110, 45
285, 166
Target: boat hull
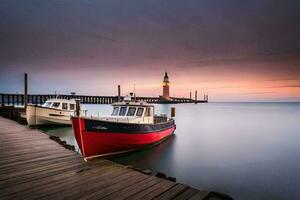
114, 138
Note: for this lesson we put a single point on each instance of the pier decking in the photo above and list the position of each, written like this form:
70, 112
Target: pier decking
34, 167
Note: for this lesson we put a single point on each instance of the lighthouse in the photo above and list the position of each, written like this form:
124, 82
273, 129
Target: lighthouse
166, 87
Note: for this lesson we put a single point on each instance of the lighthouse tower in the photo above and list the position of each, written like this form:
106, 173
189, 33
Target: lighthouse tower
166, 87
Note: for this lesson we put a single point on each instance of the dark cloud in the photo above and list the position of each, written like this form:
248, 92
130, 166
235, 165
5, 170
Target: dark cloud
139, 32
251, 36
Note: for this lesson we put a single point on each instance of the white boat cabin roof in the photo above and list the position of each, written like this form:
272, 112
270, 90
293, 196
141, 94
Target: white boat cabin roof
140, 103
61, 100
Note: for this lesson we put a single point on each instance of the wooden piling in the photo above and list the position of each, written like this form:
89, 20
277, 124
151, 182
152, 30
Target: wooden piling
2, 101
77, 109
25, 90
119, 93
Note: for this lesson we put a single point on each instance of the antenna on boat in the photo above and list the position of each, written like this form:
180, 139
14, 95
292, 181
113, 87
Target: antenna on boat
56, 94
134, 97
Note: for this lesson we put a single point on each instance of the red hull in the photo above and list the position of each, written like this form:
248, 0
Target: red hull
104, 143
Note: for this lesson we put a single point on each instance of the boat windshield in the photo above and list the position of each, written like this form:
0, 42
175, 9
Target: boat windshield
115, 111
123, 111
131, 111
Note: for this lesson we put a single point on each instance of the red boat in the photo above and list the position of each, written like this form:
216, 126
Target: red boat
131, 126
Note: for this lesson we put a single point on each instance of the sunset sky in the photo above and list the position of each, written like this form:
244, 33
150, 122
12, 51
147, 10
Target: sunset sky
231, 49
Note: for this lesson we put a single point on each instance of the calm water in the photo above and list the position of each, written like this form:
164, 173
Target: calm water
247, 150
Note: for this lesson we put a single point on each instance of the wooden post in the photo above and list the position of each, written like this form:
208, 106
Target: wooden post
13, 99
119, 93
25, 90
190, 95
77, 109
196, 96
77, 112
2, 96
172, 112
18, 99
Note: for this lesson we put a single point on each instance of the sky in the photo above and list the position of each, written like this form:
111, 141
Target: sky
231, 50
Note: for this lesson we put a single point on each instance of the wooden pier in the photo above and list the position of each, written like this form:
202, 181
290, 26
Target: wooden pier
18, 99
34, 167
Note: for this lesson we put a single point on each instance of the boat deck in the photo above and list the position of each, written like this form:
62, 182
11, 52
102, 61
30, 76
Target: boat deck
34, 167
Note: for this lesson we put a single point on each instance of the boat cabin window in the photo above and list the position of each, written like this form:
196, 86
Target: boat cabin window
47, 104
115, 111
123, 111
148, 112
65, 106
131, 111
139, 112
72, 106
55, 105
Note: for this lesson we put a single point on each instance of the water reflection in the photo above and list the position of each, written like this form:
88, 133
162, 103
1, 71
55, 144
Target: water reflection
65, 133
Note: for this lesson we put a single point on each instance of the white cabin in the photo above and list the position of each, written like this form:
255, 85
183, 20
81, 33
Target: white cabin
53, 111
61, 104
131, 112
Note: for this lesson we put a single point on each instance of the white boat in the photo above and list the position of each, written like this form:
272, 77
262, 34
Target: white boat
53, 111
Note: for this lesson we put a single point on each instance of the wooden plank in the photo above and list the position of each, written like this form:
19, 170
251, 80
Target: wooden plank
40, 175
172, 192
84, 183
56, 179
26, 134
16, 129
36, 159
31, 157
30, 147
26, 166
37, 169
186, 194
127, 180
34, 152
14, 145
201, 195
71, 191
94, 183
21, 141
153, 191
133, 189
12, 142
